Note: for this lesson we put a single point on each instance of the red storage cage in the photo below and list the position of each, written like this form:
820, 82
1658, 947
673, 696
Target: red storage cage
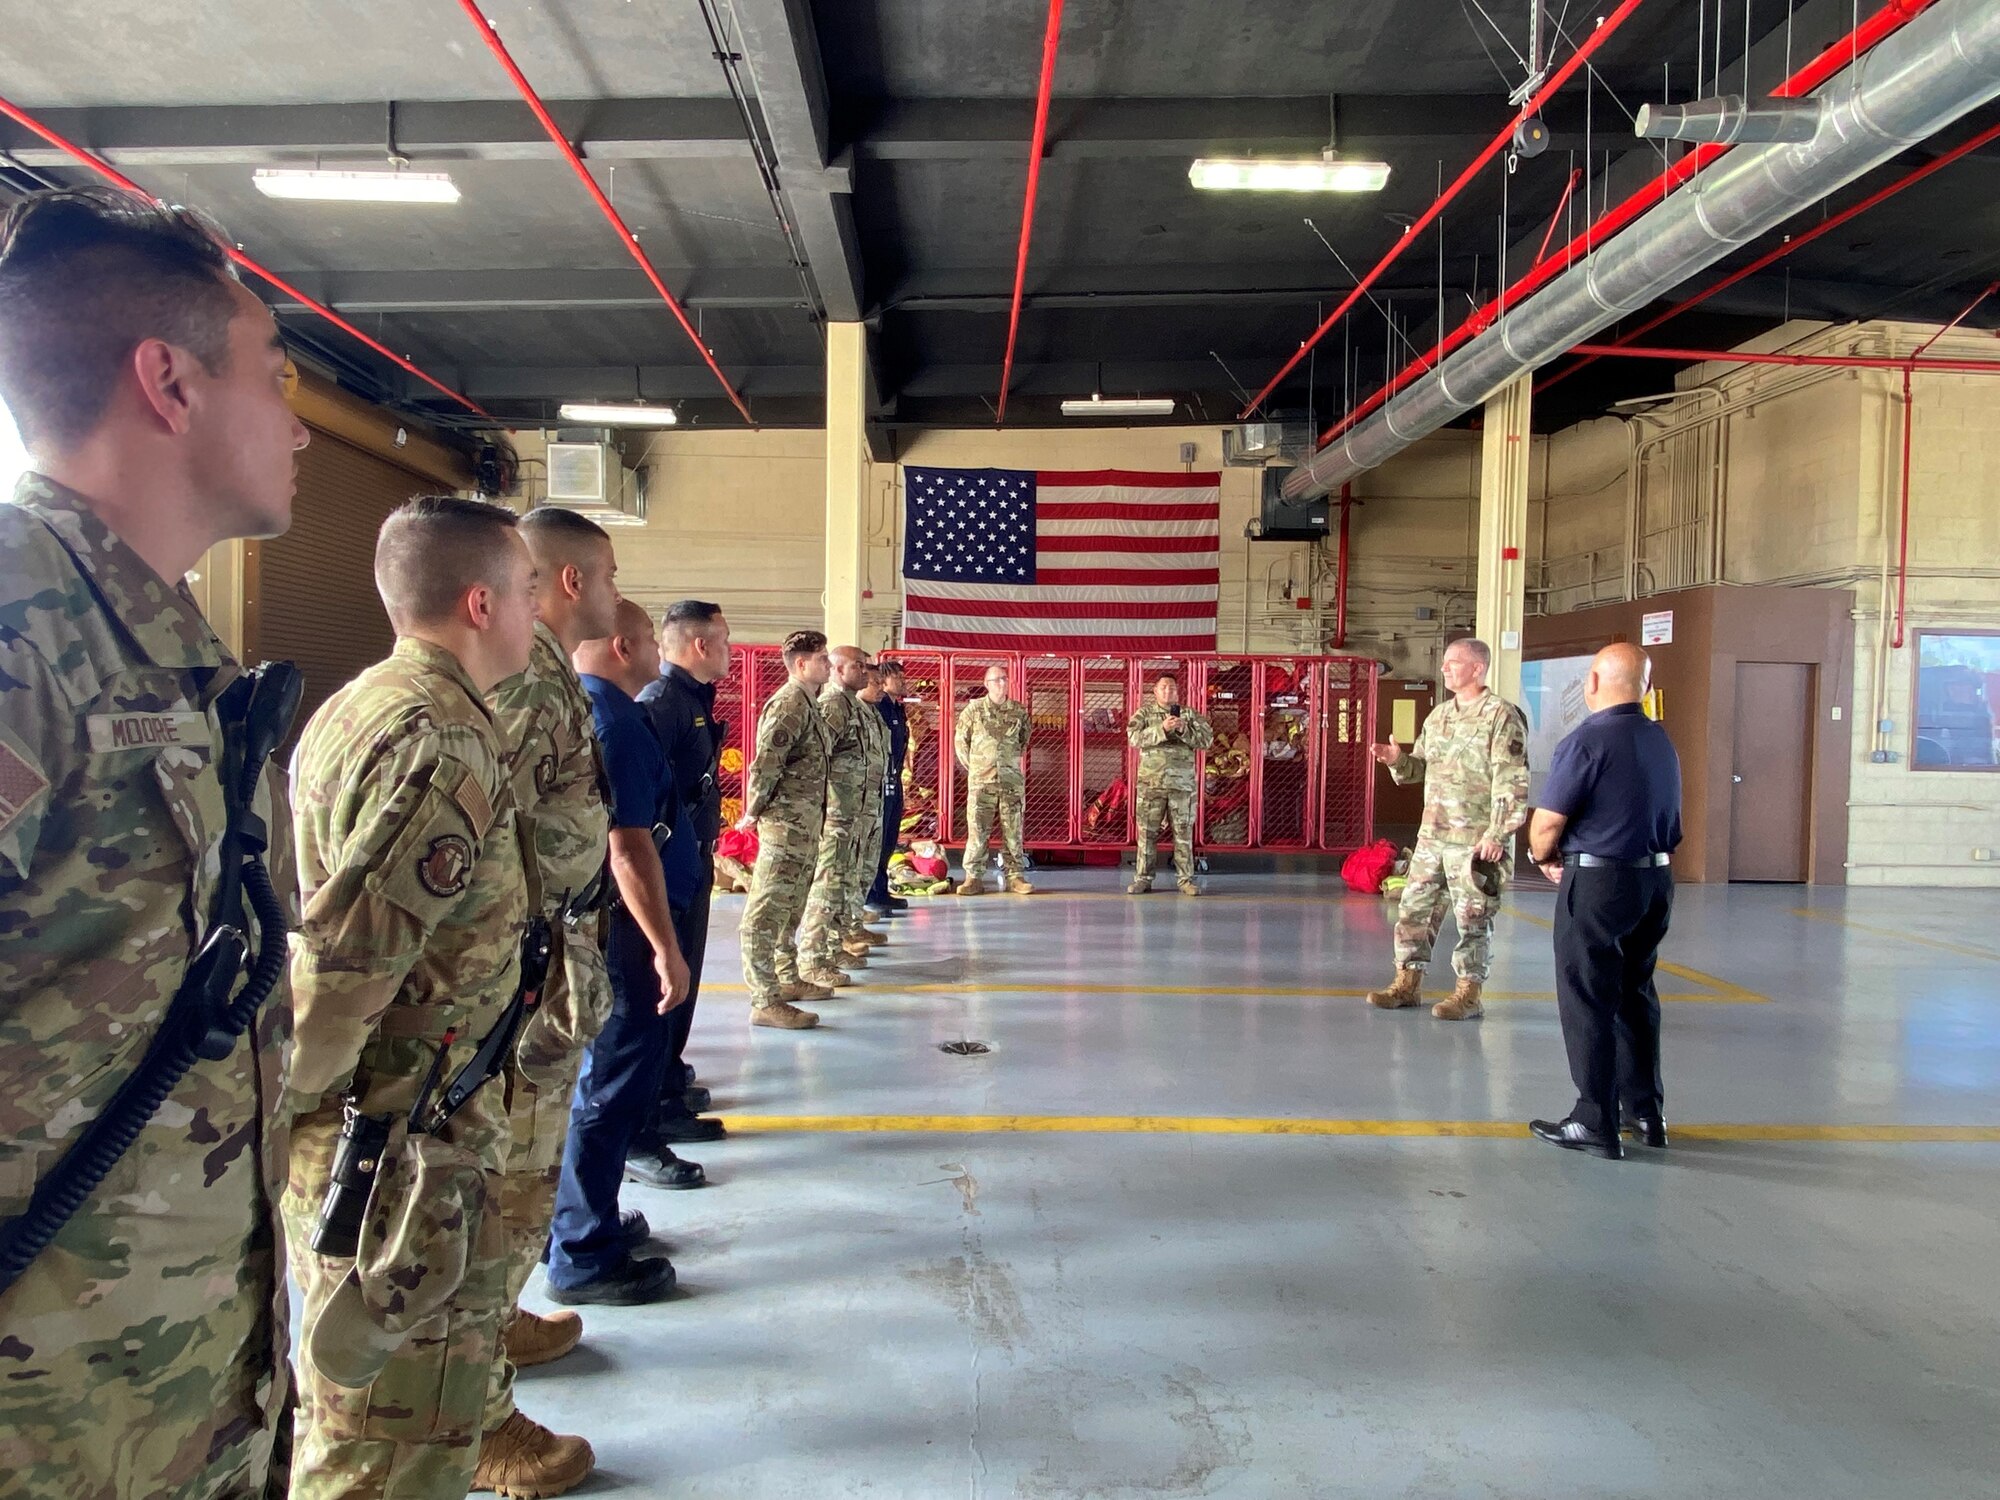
1104, 781
739, 731
1346, 727
1047, 684
1228, 696
929, 757
1286, 766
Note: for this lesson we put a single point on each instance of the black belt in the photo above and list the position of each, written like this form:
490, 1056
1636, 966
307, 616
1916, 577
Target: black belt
1599, 862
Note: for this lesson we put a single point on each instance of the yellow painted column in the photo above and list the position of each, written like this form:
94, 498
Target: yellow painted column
846, 478
1503, 534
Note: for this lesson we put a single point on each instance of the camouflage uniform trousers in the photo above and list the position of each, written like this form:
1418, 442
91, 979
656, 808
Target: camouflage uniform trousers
868, 853
826, 920
537, 1091
787, 857
1441, 875
1002, 797
1156, 803
413, 1433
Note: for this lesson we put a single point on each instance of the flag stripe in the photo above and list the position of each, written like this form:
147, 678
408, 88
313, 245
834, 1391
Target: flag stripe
1106, 594
1104, 541
1073, 479
1049, 526
1127, 576
1108, 645
1191, 610
1123, 510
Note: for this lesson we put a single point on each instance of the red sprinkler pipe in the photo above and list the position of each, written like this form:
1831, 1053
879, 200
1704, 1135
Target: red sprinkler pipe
1891, 18
1051, 36
111, 174
491, 35
1778, 253
1340, 573
1499, 143
1575, 176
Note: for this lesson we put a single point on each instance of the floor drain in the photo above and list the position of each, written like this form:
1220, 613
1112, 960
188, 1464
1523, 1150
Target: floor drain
964, 1049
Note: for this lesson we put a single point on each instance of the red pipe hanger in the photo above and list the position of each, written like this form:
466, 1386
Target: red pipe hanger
1051, 37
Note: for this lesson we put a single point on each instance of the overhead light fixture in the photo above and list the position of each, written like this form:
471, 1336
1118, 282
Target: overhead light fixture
1119, 406
1325, 173
604, 414
315, 185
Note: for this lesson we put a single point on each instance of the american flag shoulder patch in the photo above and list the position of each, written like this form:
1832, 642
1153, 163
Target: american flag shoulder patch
21, 783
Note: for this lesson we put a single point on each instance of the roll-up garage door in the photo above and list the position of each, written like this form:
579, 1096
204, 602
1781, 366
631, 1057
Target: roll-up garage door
315, 601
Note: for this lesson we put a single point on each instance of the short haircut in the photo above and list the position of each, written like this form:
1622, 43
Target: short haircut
632, 623
801, 644
685, 620
557, 536
875, 670
1160, 677
891, 667
1477, 649
86, 275
435, 547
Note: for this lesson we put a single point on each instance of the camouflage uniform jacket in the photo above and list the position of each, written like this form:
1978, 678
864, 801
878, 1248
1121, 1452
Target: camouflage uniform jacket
414, 895
557, 774
991, 741
847, 754
786, 780
159, 1311
1473, 762
875, 744
1168, 760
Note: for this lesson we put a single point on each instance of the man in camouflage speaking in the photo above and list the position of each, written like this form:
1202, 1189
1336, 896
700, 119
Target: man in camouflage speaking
991, 742
142, 1343
1169, 737
1472, 757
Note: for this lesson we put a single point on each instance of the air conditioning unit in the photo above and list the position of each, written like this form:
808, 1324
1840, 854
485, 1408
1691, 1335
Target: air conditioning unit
592, 480
1251, 445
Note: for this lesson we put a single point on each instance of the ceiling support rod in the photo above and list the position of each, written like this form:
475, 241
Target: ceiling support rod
1051, 36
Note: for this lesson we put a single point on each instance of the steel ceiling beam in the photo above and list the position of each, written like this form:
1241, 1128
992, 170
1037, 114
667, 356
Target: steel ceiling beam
689, 381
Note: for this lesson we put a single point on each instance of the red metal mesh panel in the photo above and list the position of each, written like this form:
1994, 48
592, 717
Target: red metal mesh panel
1046, 684
1103, 705
740, 733
965, 676
1284, 754
1229, 699
1347, 708
923, 698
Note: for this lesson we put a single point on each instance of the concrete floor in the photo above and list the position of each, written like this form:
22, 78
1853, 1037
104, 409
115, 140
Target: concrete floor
1294, 1247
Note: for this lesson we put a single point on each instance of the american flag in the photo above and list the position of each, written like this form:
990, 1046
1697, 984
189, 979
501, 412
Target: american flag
1020, 560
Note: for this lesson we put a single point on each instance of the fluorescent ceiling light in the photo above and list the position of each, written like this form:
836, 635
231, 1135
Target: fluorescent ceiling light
1119, 406
355, 187
1288, 174
613, 415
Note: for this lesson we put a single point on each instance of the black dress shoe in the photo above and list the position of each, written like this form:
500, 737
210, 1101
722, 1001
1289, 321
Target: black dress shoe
1647, 1130
682, 1128
697, 1099
634, 1282
663, 1169
687, 1074
1571, 1136
632, 1229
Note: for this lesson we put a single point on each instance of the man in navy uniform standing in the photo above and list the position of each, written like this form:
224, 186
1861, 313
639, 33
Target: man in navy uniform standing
1610, 818
887, 676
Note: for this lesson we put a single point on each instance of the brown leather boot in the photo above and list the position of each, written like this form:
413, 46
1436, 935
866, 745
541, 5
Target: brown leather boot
828, 979
851, 958
869, 936
1462, 1004
1189, 888
784, 1016
1017, 885
522, 1460
533, 1339
1407, 988
972, 885
798, 989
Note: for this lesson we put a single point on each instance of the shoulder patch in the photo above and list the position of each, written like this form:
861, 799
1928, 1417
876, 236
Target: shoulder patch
21, 782
444, 866
473, 802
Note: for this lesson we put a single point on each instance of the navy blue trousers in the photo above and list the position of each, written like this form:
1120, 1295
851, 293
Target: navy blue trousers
892, 823
616, 1093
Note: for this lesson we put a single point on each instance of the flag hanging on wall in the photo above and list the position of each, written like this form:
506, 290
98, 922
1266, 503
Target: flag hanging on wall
1027, 560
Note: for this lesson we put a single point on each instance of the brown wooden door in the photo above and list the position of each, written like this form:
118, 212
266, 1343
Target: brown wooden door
1399, 809
1771, 772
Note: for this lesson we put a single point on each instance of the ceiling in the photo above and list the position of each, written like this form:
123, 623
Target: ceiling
898, 132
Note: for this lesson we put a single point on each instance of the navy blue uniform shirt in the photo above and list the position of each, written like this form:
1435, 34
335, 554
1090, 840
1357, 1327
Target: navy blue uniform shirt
891, 710
682, 713
643, 791
1617, 780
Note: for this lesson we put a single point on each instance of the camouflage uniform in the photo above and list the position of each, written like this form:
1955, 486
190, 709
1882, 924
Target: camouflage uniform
1165, 787
847, 794
785, 790
143, 1354
868, 841
543, 719
992, 744
1473, 762
415, 894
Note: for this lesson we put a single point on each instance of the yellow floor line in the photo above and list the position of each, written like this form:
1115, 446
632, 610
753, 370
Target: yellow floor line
1226, 1125
1725, 992
1897, 933
1218, 991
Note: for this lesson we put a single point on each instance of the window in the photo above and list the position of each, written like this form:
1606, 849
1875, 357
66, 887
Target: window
1958, 689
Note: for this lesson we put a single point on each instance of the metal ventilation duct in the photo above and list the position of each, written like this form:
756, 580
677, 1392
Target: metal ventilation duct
1729, 120
1942, 65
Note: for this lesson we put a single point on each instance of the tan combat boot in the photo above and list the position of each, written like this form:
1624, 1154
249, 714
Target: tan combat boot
1140, 885
1407, 988
1017, 885
798, 989
1189, 888
857, 949
972, 885
850, 958
532, 1339
522, 1460
827, 979
1462, 1004
784, 1016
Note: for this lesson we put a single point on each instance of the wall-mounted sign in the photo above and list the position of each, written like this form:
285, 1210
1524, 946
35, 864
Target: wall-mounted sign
1657, 628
